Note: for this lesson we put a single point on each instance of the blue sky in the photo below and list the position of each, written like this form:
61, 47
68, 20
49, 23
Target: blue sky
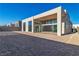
12, 12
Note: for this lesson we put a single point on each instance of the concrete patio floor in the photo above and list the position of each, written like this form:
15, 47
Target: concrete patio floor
69, 38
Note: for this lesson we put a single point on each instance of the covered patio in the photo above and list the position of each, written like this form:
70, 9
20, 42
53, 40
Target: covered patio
46, 24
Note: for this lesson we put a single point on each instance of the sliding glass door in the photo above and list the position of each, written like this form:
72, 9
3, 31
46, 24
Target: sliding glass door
30, 26
49, 28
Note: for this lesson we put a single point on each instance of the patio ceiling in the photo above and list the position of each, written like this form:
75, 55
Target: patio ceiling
53, 16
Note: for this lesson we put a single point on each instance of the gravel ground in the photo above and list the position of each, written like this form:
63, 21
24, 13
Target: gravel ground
14, 44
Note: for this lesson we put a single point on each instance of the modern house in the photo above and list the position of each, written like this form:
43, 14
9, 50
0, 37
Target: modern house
55, 21
16, 26
75, 25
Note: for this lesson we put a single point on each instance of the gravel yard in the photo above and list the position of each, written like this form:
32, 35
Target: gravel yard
14, 44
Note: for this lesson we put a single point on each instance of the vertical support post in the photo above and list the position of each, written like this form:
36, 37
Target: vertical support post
59, 17
33, 24
22, 27
63, 28
26, 26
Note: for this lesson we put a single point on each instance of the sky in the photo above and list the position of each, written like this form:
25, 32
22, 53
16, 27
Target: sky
12, 12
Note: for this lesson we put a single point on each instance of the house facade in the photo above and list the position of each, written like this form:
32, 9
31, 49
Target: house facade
55, 21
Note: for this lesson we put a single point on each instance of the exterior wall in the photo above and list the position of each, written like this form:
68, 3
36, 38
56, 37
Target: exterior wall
59, 29
63, 24
68, 27
66, 24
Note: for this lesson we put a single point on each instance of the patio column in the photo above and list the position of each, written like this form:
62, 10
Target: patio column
33, 24
22, 27
59, 26
26, 26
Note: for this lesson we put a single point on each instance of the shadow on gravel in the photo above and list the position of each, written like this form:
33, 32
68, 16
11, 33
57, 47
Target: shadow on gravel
25, 45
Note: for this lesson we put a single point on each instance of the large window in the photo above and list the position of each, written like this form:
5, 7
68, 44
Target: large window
49, 28
24, 27
30, 26
51, 21
49, 25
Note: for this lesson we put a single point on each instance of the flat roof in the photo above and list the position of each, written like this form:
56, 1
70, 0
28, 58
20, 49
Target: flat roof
44, 14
